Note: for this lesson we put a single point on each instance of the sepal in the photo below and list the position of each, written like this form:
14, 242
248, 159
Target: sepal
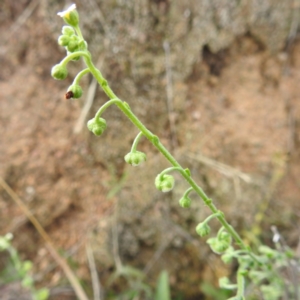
185, 202
203, 229
164, 183
74, 91
97, 126
135, 158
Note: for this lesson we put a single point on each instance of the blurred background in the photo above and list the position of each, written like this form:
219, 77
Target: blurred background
217, 81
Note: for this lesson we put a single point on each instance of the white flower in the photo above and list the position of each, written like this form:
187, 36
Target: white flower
66, 12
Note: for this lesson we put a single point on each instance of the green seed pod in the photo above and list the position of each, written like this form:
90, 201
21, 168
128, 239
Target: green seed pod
164, 183
74, 91
63, 40
185, 202
68, 30
135, 158
97, 126
59, 72
203, 229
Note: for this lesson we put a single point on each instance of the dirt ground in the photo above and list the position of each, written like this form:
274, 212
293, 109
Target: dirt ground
239, 106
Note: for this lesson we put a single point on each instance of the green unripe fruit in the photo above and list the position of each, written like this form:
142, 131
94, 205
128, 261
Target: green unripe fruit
203, 229
185, 202
97, 126
164, 183
74, 91
63, 40
225, 237
135, 158
59, 72
218, 246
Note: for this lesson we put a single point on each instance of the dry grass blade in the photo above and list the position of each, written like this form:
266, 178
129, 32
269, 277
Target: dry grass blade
60, 261
94, 274
220, 167
87, 106
169, 87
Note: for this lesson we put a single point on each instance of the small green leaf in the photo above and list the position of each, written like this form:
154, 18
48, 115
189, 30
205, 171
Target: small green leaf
163, 287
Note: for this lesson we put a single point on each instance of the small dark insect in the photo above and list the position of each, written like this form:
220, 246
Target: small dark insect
69, 95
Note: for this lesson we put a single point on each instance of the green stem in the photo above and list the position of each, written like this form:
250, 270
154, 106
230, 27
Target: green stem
240, 284
171, 169
105, 106
85, 54
187, 192
209, 218
78, 31
80, 75
136, 141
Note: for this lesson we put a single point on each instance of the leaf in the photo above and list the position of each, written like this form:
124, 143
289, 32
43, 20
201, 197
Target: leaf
163, 287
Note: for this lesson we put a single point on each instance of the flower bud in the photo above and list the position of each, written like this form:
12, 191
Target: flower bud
164, 183
73, 44
70, 15
217, 246
135, 158
74, 91
225, 237
68, 30
63, 40
59, 72
97, 126
203, 229
185, 202
227, 257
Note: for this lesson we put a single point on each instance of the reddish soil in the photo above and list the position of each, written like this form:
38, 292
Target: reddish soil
241, 108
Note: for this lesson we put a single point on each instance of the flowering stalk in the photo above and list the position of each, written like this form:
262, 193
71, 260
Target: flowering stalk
124, 107
76, 47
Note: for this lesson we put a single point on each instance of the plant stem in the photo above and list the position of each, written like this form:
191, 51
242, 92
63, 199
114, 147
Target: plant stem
187, 192
80, 75
155, 141
136, 141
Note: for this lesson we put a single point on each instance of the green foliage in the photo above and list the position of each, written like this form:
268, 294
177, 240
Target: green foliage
214, 293
18, 270
163, 287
